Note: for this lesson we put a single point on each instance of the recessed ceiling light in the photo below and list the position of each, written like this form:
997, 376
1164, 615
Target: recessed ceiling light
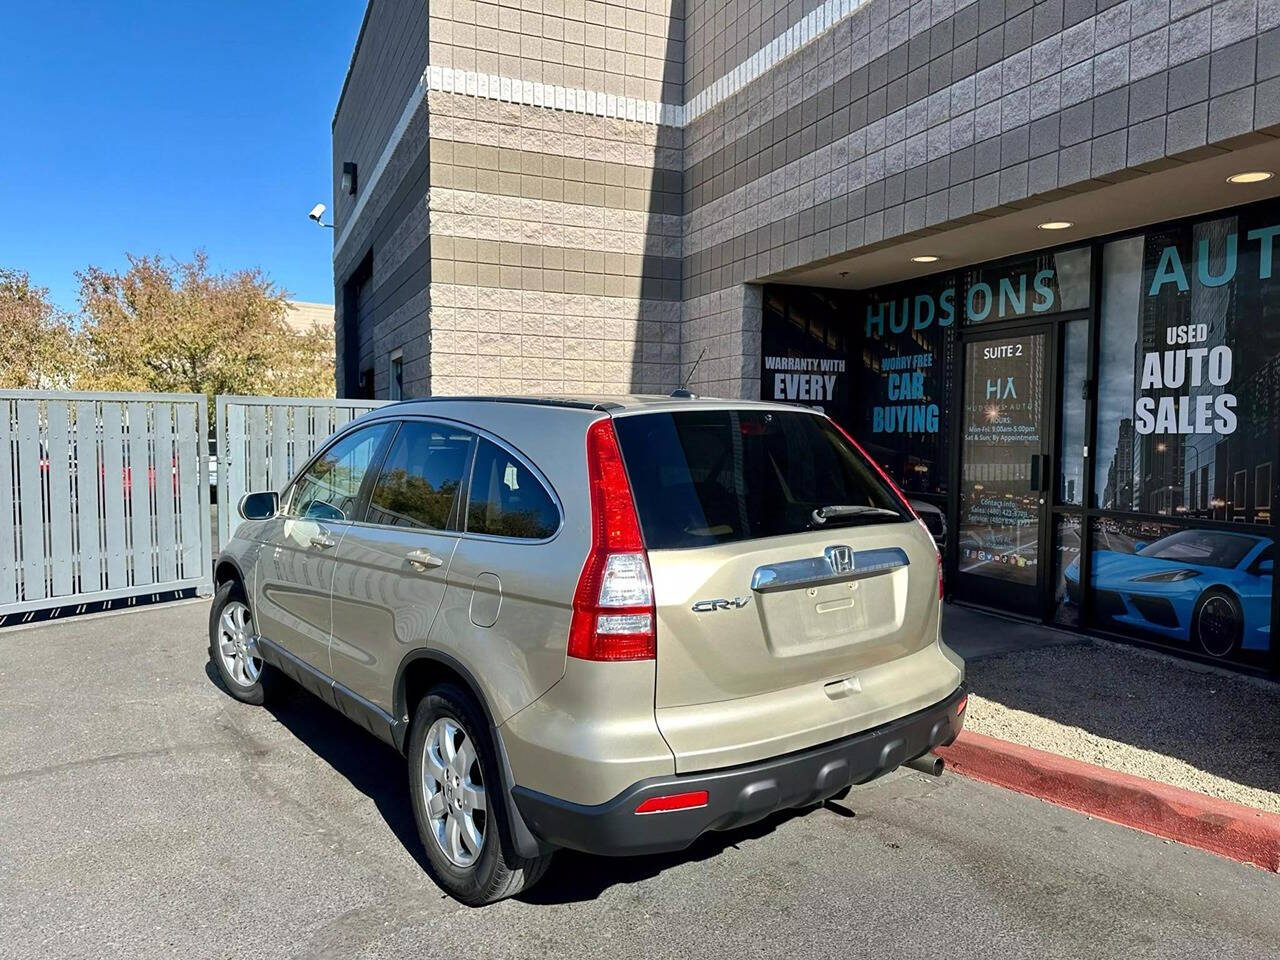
925, 258
1251, 176
1056, 225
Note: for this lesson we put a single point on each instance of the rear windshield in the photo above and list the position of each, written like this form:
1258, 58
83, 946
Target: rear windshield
703, 477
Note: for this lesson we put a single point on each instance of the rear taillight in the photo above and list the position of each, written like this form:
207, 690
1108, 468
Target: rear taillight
613, 611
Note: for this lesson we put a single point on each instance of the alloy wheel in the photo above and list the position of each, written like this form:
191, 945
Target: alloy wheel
238, 645
453, 792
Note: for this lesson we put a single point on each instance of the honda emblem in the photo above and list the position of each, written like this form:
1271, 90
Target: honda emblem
840, 558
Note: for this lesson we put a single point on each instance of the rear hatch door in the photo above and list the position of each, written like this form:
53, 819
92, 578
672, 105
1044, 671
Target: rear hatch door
776, 630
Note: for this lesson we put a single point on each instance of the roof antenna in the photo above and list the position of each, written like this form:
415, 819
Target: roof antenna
683, 390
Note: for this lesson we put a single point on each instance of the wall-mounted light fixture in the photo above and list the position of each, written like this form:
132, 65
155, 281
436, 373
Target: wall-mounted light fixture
349, 182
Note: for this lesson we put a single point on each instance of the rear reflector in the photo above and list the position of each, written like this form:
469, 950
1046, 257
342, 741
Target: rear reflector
676, 801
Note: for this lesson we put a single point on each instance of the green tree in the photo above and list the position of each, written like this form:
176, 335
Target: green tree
38, 347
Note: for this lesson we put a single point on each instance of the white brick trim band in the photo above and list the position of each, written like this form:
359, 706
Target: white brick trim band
791, 41
553, 97
577, 100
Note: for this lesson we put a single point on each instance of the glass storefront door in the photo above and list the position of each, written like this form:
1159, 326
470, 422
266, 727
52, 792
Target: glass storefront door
1004, 487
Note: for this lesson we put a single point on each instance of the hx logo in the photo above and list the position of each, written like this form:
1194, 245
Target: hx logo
711, 606
840, 558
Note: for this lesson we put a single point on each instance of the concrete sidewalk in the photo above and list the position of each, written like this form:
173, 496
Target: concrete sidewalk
978, 635
1124, 708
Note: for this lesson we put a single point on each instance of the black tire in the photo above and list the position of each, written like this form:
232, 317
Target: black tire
496, 871
1218, 622
259, 688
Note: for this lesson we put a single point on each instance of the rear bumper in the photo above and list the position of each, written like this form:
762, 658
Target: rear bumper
738, 795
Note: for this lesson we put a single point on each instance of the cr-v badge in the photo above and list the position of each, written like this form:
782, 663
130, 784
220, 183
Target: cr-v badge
711, 606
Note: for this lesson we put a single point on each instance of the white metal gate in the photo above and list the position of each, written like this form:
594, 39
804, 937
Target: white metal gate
263, 440
102, 496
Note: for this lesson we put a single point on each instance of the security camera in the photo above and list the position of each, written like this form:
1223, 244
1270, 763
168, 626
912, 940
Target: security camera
317, 212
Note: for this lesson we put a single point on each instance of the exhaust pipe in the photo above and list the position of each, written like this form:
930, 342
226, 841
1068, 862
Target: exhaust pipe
929, 763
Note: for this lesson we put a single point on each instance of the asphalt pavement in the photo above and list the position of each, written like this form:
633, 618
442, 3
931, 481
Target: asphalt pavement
144, 813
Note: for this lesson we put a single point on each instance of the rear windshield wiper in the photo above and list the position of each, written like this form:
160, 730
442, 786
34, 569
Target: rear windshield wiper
842, 511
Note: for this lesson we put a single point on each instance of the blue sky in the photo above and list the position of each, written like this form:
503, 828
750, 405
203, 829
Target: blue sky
163, 127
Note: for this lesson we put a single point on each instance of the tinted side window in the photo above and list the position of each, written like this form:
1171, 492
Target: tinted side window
420, 480
507, 500
330, 488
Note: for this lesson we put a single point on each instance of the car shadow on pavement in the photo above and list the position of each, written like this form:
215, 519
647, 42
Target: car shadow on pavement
578, 877
379, 772
374, 768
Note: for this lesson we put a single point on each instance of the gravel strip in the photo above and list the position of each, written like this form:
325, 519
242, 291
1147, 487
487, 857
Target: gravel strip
1137, 712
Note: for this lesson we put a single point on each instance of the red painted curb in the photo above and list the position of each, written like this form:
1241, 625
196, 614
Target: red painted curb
1228, 829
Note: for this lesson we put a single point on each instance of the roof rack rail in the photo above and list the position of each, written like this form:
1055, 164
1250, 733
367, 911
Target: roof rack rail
602, 405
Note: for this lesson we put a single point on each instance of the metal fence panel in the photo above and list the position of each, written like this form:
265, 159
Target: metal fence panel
31, 505
102, 496
113, 494
61, 547
193, 528
262, 441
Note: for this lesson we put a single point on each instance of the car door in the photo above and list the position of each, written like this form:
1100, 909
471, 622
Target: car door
391, 567
506, 613
296, 562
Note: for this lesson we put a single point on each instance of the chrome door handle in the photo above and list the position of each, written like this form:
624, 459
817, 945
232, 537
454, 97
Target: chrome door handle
322, 540
423, 559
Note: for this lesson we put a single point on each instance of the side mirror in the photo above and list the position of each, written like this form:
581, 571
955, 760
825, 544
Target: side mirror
1266, 567
1139, 545
260, 506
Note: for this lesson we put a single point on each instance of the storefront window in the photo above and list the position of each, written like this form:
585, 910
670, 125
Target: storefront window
1189, 391
1075, 357
904, 364
1189, 375
1066, 557
805, 353
1207, 591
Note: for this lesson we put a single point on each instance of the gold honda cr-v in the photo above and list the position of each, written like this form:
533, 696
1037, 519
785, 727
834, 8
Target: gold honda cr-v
604, 624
